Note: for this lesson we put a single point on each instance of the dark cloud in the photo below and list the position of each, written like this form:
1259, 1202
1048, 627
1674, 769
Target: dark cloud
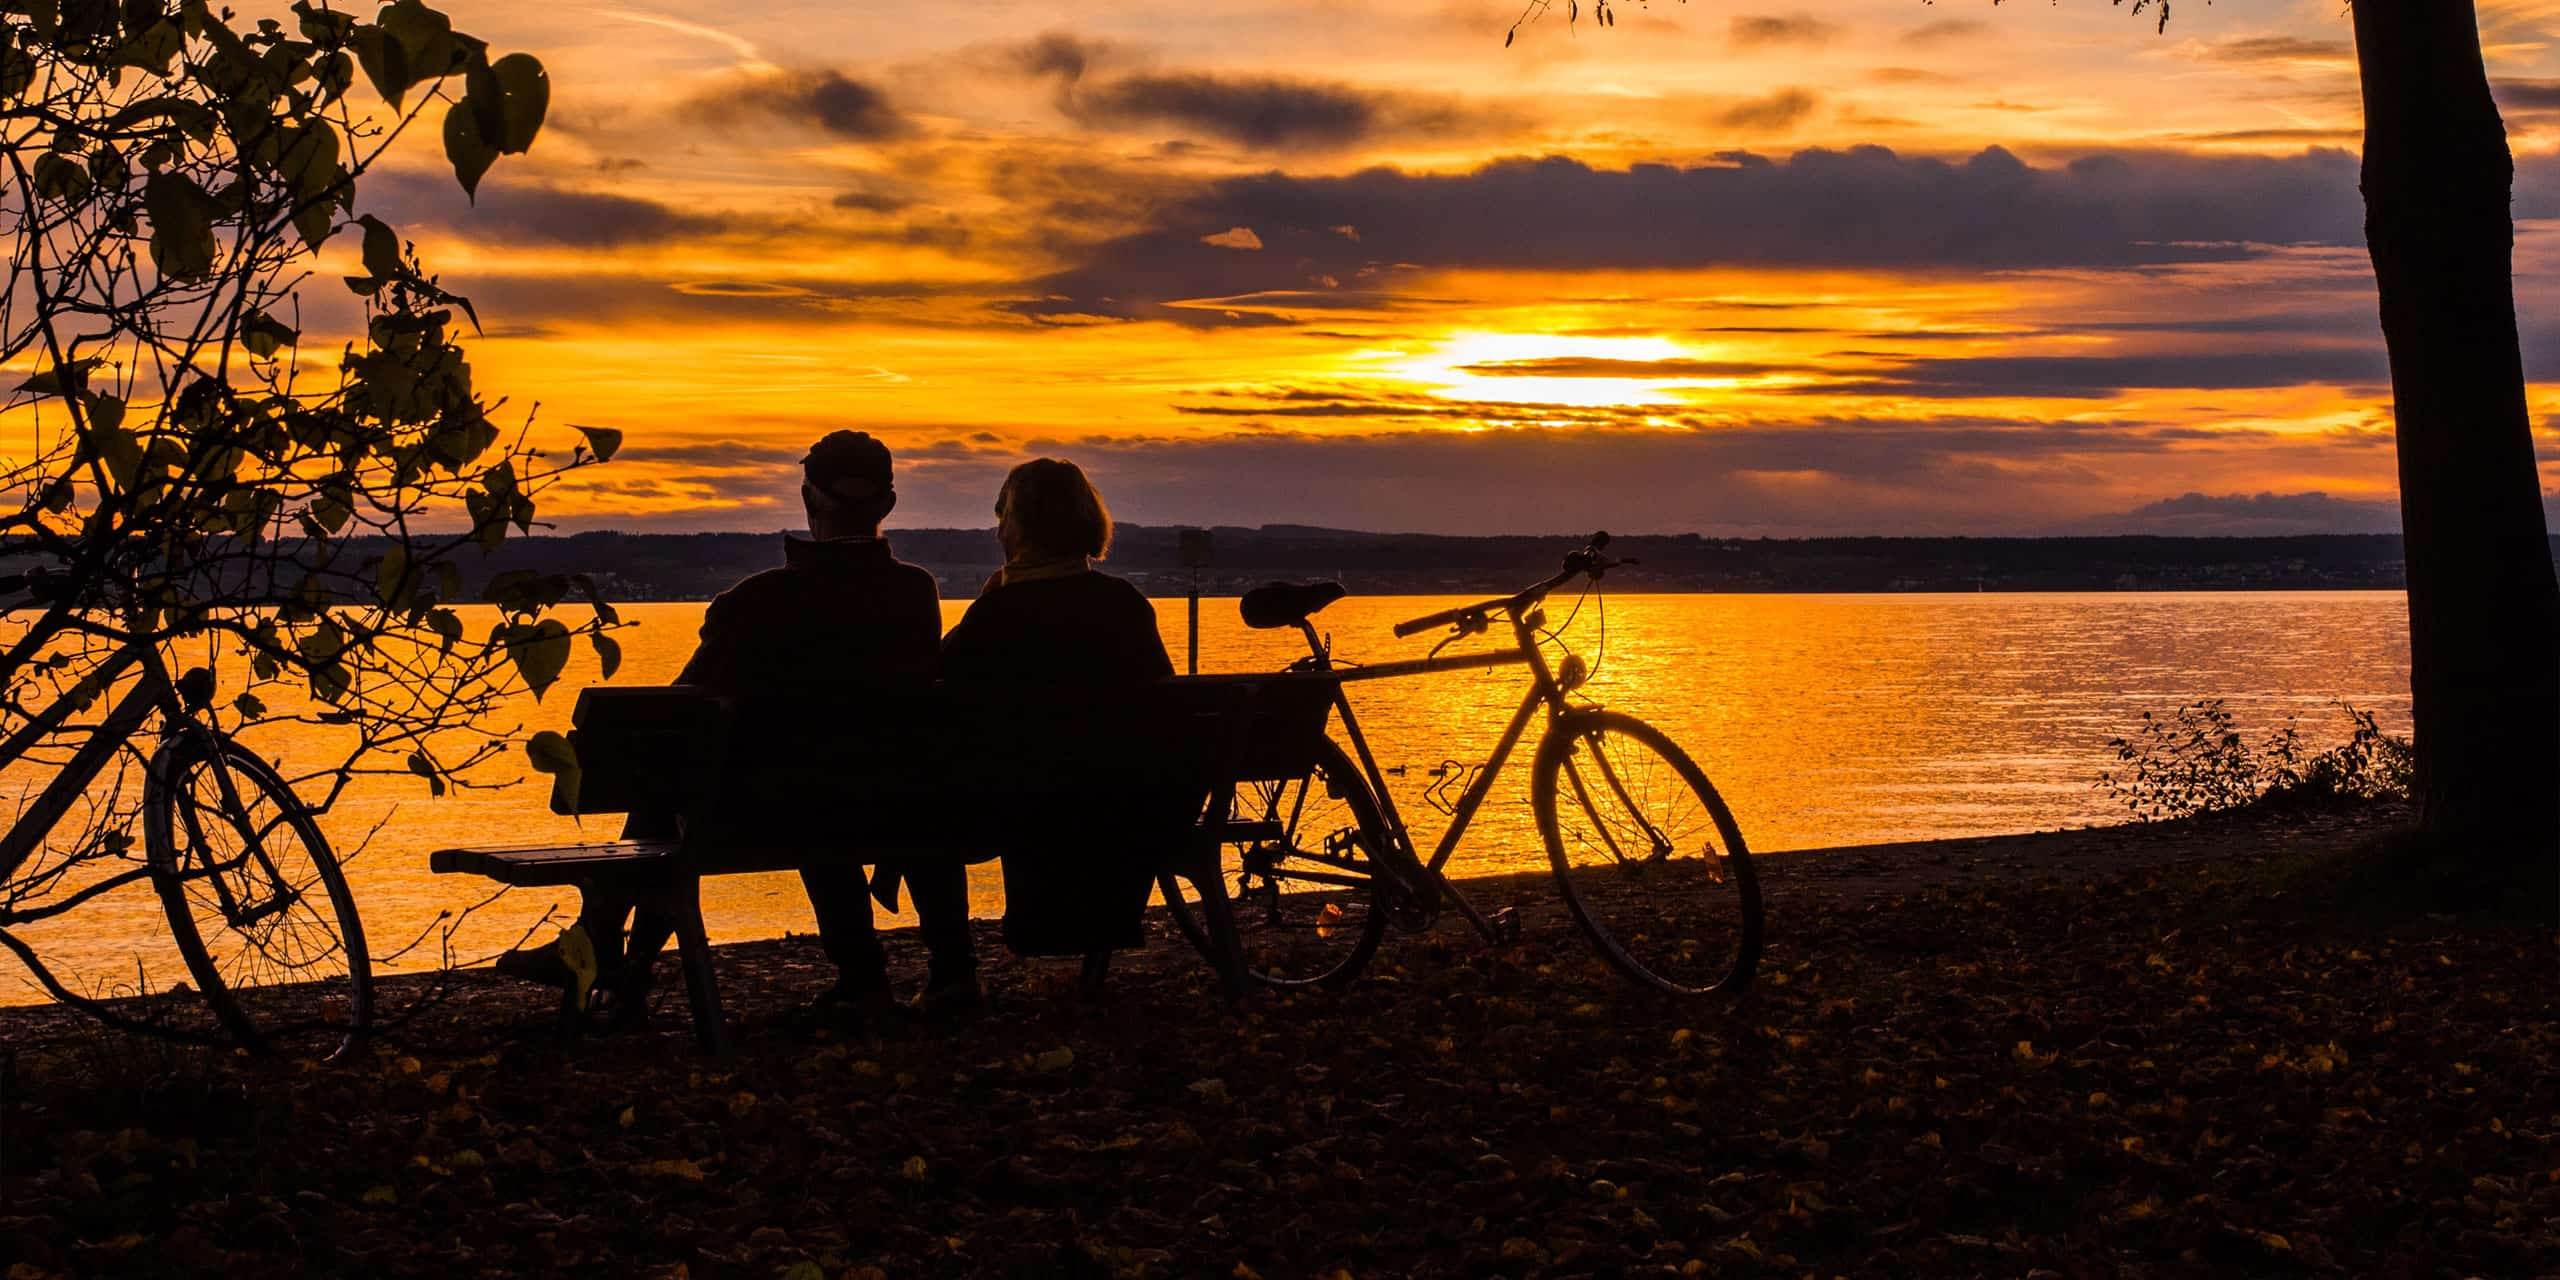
1793, 29
1596, 367
2527, 95
1264, 112
2248, 49
2310, 137
606, 299
1909, 75
818, 98
509, 213
2090, 377
870, 201
1945, 31
1783, 109
1254, 111
1821, 476
2100, 377
1863, 208
2254, 514
1058, 53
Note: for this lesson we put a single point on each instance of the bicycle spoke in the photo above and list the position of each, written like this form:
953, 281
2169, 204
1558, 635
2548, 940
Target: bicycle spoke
1640, 848
254, 897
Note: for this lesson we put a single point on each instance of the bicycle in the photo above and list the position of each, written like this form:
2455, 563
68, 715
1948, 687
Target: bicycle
255, 899
1645, 853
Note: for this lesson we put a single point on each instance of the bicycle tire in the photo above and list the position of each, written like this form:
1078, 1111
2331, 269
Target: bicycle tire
1288, 942
212, 812
1684, 916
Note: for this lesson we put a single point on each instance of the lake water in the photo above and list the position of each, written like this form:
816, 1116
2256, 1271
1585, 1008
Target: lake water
1824, 719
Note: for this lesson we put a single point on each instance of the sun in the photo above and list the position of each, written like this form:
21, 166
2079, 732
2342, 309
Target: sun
1466, 366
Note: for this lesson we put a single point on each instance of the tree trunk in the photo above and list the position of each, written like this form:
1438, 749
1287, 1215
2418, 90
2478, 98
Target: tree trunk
2484, 613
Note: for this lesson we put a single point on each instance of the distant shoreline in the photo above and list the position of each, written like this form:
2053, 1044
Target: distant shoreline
675, 567
680, 567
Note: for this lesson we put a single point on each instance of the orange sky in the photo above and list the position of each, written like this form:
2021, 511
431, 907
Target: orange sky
1849, 266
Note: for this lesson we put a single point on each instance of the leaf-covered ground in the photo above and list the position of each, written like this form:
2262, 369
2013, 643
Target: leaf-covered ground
2161, 1063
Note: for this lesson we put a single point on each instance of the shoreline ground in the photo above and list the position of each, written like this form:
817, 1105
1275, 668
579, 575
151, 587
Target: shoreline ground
2114, 1051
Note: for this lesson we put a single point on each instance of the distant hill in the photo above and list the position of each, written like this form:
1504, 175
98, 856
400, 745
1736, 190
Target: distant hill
652, 566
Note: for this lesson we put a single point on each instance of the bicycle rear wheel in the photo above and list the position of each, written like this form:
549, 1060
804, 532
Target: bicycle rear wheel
1647, 855
255, 899
1307, 895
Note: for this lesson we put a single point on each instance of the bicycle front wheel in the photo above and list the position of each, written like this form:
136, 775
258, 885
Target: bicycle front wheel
1647, 855
255, 899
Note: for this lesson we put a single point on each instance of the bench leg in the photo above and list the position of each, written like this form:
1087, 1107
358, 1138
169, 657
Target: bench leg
680, 906
1226, 947
573, 1012
650, 931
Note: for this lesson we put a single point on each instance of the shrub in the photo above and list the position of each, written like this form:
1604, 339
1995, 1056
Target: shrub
2196, 760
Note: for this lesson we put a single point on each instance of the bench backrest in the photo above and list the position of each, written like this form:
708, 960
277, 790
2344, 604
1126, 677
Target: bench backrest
920, 766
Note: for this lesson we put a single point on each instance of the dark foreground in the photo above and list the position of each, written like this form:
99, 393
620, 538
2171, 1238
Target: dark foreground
2162, 1062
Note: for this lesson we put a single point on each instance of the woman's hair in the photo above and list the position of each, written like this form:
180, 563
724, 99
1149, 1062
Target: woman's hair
1055, 509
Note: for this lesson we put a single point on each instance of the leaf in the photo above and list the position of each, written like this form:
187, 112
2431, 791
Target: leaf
424, 36
608, 652
420, 765
385, 63
541, 652
335, 74
17, 71
263, 334
74, 375
249, 706
470, 154
549, 752
578, 952
182, 243
391, 578
310, 165
57, 177
381, 249
527, 100
447, 625
152, 49
604, 442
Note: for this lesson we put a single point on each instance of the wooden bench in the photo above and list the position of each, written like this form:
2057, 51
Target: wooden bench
788, 783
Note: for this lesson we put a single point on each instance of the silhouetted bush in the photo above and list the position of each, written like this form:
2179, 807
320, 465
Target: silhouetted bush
2196, 760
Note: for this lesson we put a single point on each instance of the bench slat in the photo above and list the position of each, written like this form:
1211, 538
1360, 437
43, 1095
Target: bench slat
549, 864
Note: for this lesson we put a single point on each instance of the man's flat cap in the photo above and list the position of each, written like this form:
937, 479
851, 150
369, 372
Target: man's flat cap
849, 463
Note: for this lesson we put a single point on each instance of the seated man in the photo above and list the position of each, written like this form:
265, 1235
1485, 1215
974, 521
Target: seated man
841, 614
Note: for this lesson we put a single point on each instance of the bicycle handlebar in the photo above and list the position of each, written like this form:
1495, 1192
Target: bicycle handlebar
1588, 560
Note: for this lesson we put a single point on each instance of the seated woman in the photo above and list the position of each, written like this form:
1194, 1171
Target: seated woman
1047, 615
1048, 621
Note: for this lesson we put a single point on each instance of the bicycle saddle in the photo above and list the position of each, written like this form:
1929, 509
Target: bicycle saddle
1286, 604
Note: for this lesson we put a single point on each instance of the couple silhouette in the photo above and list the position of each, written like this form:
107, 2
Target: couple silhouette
842, 614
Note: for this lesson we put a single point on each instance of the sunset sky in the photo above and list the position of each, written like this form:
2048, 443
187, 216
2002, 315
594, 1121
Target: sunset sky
1849, 266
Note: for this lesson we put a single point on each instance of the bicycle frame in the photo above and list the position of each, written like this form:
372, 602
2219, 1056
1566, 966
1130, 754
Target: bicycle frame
1545, 691
122, 722
152, 692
